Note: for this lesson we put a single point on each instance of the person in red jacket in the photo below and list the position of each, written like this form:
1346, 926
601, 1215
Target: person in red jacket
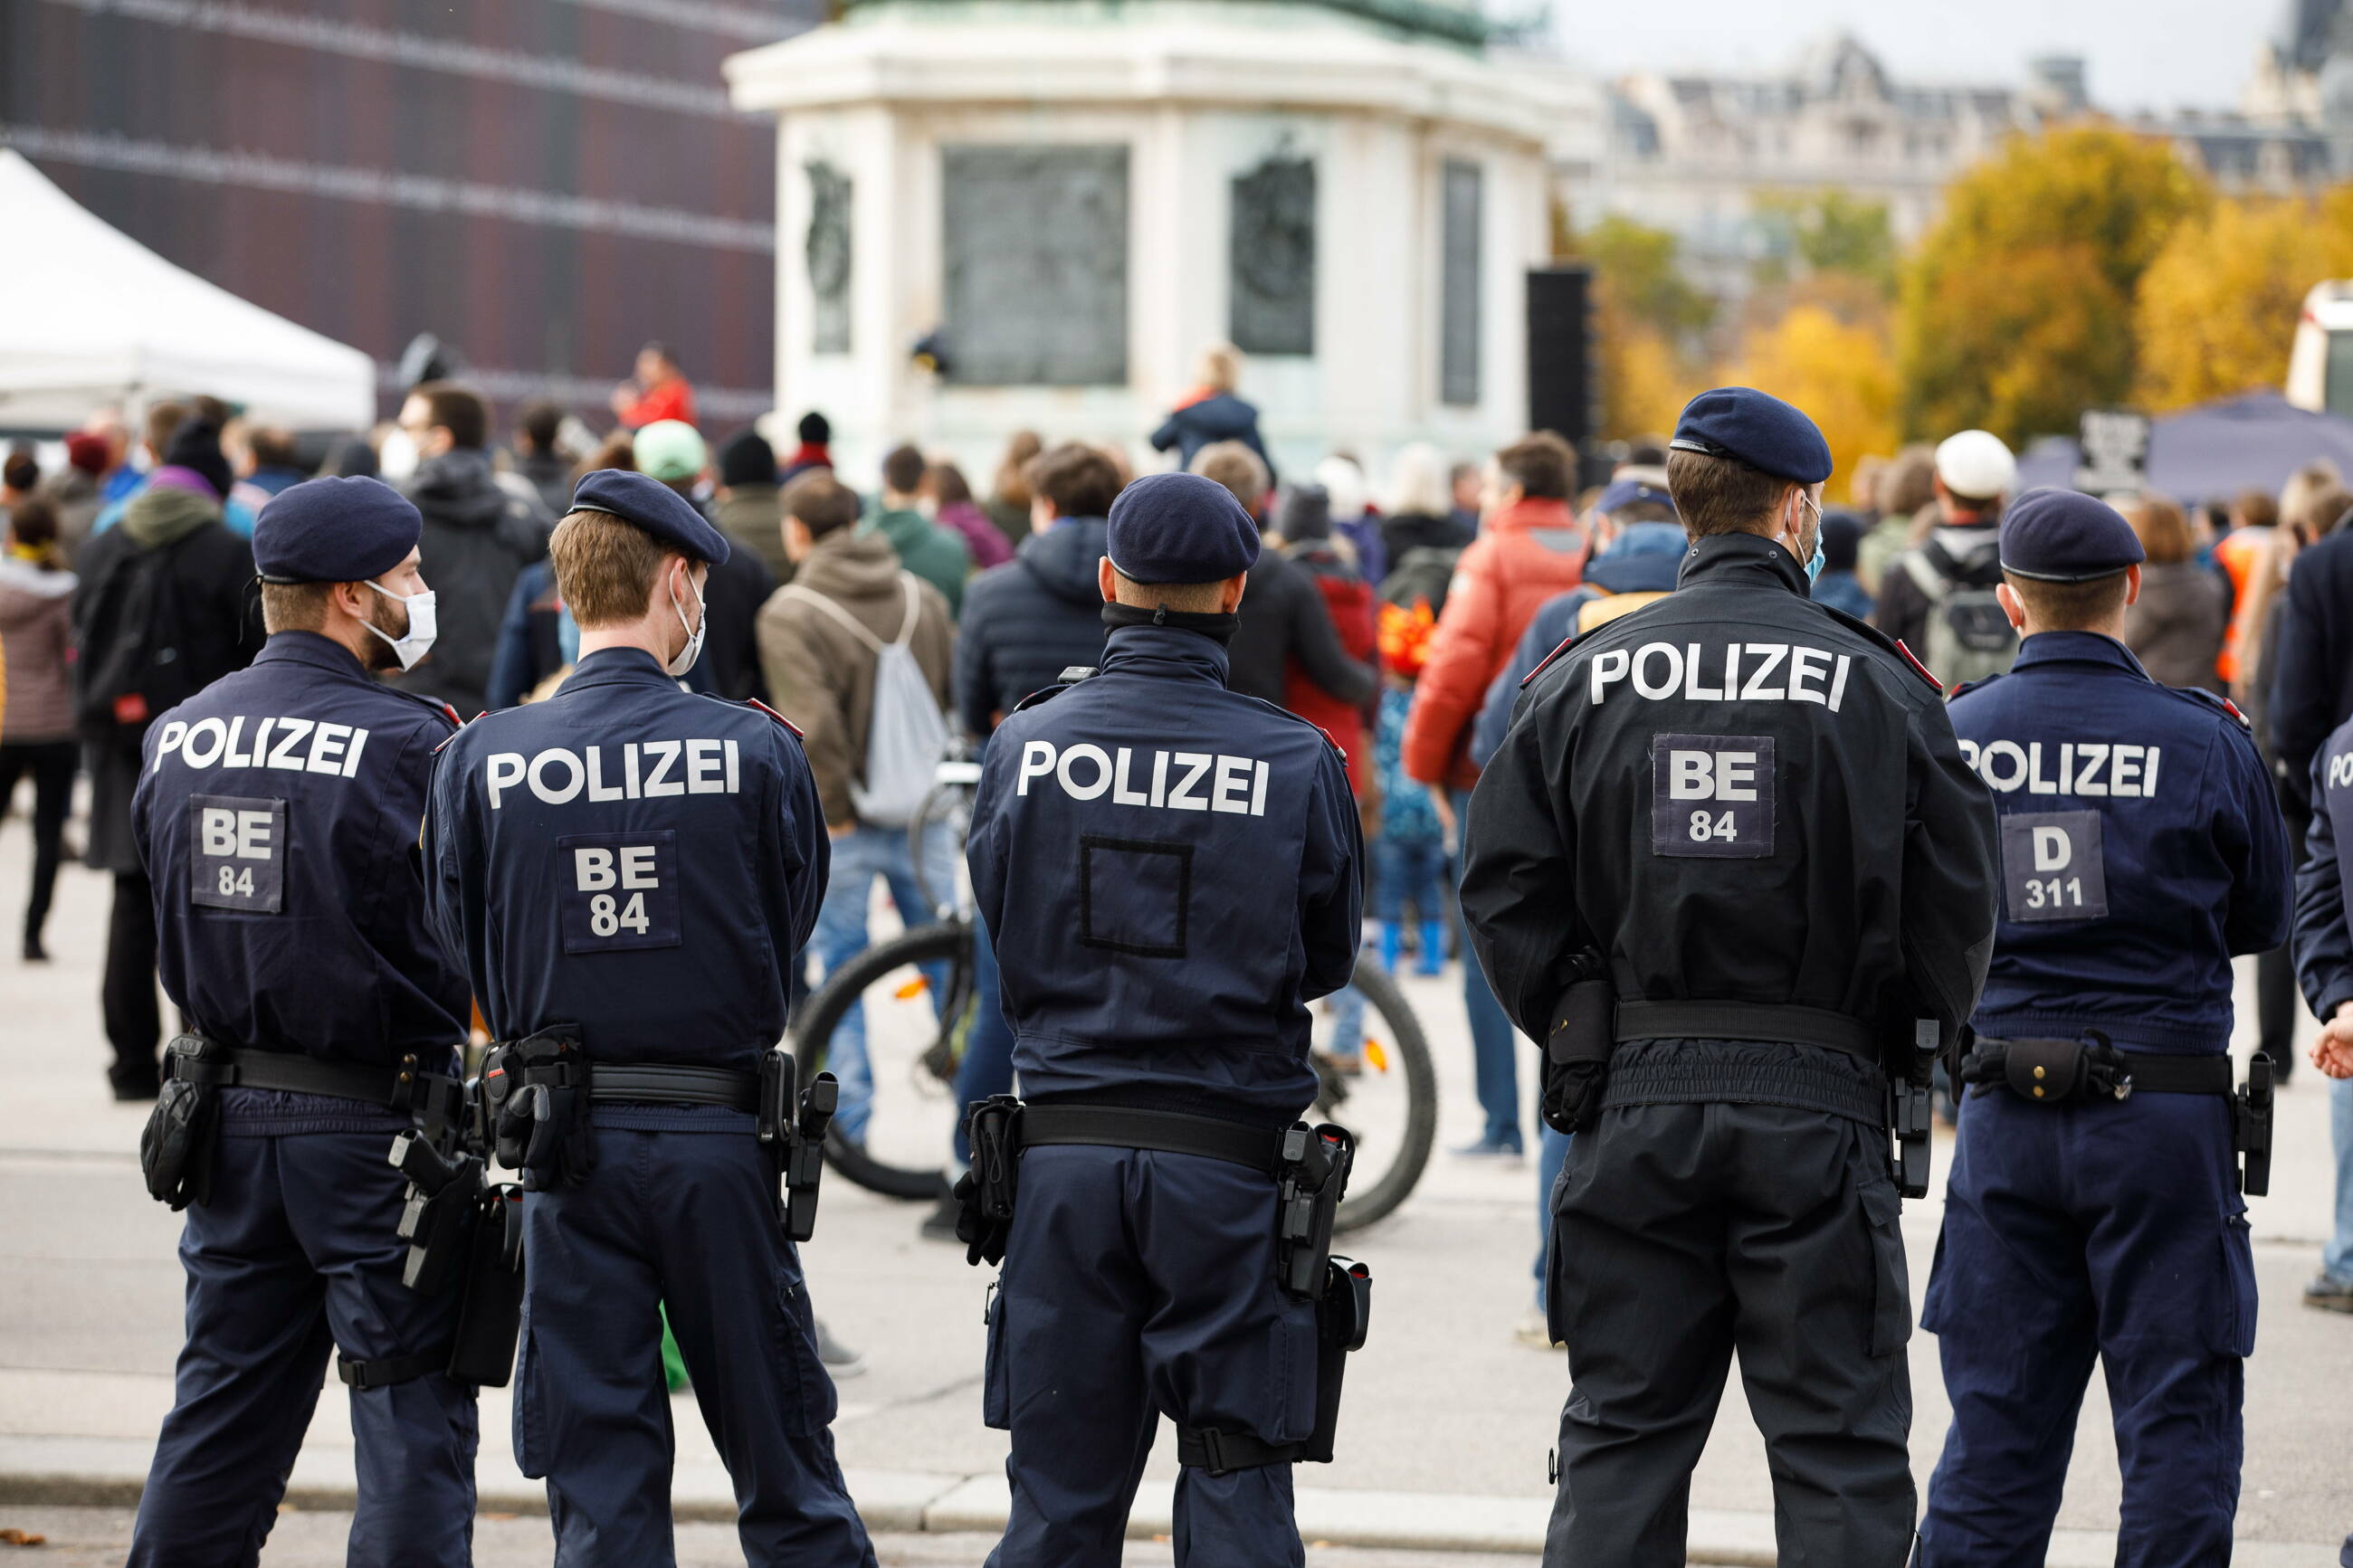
1306, 530
1530, 547
659, 391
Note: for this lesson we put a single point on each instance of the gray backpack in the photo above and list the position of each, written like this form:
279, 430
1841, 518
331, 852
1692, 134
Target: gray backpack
906, 733
1969, 638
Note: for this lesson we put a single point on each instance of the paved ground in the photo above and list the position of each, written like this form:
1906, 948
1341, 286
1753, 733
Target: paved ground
1448, 1421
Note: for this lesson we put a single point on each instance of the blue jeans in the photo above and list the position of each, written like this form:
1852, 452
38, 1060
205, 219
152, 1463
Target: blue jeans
987, 1064
1494, 1062
2337, 1257
1409, 873
859, 857
1552, 1154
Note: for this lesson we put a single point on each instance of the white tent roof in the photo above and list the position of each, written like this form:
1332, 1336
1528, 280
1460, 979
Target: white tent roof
89, 316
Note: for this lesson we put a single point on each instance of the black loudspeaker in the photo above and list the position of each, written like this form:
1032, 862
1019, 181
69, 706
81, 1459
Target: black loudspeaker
1562, 380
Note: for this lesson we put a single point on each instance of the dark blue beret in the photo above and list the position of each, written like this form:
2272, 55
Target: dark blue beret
1180, 528
653, 506
334, 531
2064, 536
1761, 431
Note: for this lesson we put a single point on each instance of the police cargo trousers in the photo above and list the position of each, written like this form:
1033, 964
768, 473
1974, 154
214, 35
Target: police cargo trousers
293, 1258
680, 1211
2109, 1230
1682, 1233
1136, 1284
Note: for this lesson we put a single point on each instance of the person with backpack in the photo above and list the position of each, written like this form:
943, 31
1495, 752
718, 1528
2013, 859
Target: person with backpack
857, 651
164, 607
1937, 598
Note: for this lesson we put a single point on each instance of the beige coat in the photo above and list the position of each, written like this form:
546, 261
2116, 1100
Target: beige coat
821, 674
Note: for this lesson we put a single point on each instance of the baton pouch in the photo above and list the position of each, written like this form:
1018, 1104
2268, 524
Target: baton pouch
985, 1192
489, 1314
1312, 1179
2251, 1126
1576, 1055
537, 1090
175, 1147
436, 1212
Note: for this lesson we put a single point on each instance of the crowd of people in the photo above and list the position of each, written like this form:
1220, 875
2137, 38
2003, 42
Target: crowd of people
1401, 617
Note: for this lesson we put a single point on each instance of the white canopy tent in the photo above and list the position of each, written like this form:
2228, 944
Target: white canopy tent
89, 316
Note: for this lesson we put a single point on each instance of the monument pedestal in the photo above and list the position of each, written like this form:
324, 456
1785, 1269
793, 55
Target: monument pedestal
1079, 197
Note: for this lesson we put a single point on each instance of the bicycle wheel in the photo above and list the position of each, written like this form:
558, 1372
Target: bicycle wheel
1385, 1092
915, 1028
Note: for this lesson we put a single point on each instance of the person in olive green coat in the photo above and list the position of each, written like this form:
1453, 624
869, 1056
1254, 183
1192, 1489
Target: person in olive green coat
935, 554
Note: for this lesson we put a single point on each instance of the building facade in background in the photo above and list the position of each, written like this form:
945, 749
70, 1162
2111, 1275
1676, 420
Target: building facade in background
544, 184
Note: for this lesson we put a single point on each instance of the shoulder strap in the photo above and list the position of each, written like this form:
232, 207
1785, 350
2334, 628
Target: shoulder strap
915, 591
857, 627
1923, 572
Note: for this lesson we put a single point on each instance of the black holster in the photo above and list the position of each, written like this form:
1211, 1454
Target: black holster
1577, 1052
793, 1131
985, 1192
175, 1147
436, 1212
1911, 1107
1344, 1310
489, 1314
2251, 1126
535, 1094
1311, 1180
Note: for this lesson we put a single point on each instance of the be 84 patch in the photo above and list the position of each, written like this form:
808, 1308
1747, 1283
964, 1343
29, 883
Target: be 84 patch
620, 890
237, 853
1712, 795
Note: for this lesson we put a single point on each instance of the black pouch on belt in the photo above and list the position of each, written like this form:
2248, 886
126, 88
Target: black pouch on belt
1577, 1049
539, 1089
985, 1192
175, 1147
489, 1314
1341, 1317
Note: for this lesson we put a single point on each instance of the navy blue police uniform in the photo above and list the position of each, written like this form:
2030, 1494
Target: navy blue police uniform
276, 817
1170, 873
1725, 864
636, 866
2095, 1205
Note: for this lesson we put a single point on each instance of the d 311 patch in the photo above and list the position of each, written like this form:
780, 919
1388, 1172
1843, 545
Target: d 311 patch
1712, 795
2051, 866
237, 853
620, 890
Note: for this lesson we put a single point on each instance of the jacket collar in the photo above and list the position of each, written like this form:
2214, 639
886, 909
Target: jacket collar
313, 648
1746, 560
618, 667
1164, 653
2077, 647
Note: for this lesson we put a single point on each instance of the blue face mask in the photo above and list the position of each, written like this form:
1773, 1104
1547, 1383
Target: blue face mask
1814, 567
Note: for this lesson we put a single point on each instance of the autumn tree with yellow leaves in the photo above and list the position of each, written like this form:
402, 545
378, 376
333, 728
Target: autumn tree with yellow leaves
2217, 309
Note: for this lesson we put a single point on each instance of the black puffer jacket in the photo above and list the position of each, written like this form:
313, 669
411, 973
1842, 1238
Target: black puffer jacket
1026, 622
479, 536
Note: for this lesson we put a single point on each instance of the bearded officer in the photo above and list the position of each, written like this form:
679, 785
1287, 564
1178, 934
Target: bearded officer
629, 872
277, 815
1170, 873
2094, 1206
1727, 859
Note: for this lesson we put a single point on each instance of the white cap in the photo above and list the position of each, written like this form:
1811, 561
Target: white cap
1977, 465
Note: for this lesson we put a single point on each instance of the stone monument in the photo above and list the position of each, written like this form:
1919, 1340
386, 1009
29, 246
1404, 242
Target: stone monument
1071, 199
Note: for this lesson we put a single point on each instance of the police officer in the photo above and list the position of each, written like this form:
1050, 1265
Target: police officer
2093, 1208
1170, 871
629, 872
277, 816
1726, 858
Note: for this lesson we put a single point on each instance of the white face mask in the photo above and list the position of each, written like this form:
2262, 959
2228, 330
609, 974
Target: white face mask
417, 641
693, 649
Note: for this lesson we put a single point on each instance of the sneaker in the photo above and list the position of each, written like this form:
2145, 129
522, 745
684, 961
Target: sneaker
2329, 1294
1533, 1332
839, 1358
1347, 1064
1492, 1148
941, 1223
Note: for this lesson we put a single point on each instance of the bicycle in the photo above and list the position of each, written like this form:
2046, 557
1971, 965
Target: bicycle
1389, 1099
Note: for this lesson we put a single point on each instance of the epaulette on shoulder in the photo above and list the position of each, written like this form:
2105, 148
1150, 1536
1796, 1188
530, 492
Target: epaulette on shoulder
1071, 675
458, 725
2214, 700
430, 704
1545, 662
1896, 645
787, 724
1977, 685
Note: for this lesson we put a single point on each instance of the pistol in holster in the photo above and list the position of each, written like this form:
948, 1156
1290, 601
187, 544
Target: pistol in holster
1911, 1108
1576, 1047
436, 1212
792, 1129
1311, 1180
536, 1099
985, 1192
465, 1235
2251, 1126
